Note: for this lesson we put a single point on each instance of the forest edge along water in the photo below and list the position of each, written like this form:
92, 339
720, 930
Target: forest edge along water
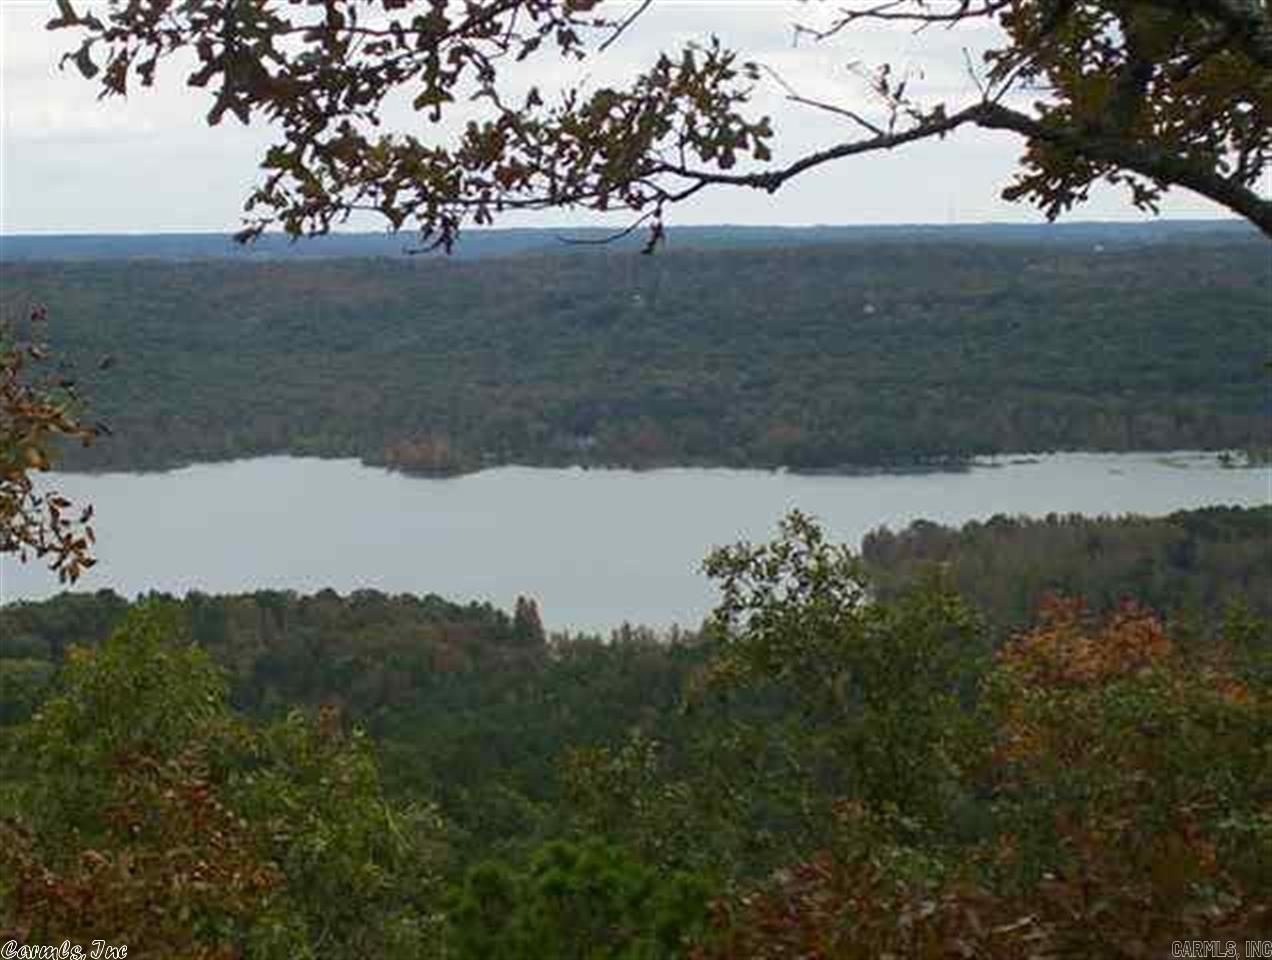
595, 548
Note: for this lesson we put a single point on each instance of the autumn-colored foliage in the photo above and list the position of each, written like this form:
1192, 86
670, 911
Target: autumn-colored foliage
174, 873
1145, 771
1145, 94
850, 777
137, 808
1067, 649
36, 410
1129, 791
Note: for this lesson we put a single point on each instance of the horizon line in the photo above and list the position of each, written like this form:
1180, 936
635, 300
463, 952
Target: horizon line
916, 224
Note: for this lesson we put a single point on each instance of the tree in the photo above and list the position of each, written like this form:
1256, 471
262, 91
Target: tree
527, 626
136, 806
869, 693
820, 719
1148, 94
36, 410
1123, 786
587, 899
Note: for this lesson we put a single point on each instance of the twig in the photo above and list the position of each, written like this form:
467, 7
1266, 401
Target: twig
599, 241
794, 97
622, 27
971, 73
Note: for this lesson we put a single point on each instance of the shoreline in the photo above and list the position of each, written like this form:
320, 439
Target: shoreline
1228, 458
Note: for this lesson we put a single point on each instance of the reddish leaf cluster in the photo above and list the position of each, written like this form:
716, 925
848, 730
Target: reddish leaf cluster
1116, 773
175, 874
37, 409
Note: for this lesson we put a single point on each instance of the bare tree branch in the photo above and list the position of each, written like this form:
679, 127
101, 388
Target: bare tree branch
794, 96
622, 27
611, 237
771, 180
1104, 147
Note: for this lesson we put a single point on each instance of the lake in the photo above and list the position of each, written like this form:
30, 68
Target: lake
594, 547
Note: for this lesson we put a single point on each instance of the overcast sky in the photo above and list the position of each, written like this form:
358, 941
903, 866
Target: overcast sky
72, 164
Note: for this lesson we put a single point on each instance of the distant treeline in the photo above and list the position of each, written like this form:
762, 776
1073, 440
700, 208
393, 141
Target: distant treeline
461, 697
888, 352
830, 768
1188, 567
476, 706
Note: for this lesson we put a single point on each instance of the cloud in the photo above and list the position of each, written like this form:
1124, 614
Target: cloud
69, 162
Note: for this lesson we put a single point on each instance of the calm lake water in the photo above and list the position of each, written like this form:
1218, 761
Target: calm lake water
595, 547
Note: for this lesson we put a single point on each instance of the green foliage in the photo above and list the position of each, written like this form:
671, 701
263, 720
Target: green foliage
869, 693
1188, 566
820, 720
588, 900
527, 627
1123, 787
468, 707
829, 772
816, 357
24, 682
142, 693
635, 792
361, 871
134, 793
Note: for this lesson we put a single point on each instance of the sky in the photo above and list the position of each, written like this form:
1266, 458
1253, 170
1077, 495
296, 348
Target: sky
70, 163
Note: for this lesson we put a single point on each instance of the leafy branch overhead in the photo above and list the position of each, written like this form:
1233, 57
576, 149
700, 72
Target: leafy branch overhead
37, 409
1148, 94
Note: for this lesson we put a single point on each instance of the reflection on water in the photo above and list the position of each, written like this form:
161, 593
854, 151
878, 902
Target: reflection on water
596, 547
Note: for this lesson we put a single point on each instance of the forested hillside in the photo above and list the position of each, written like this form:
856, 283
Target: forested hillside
463, 698
821, 356
1027, 738
819, 770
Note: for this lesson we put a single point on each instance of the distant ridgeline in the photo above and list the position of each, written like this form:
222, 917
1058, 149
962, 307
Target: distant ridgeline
481, 243
838, 348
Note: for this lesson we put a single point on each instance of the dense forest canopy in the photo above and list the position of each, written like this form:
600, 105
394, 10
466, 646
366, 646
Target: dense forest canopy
821, 356
772, 785
479, 693
849, 758
1188, 567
